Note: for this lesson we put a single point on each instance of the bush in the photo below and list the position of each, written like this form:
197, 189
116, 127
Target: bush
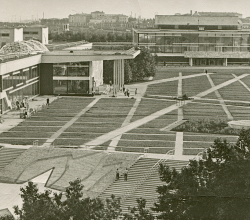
207, 126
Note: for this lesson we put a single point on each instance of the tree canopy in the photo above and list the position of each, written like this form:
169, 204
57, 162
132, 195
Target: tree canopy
216, 187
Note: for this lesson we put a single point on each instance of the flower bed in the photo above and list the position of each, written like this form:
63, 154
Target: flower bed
207, 126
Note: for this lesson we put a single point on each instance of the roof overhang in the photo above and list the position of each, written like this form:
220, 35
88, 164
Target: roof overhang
80, 56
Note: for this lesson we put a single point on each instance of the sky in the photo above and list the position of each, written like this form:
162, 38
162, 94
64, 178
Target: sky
16, 10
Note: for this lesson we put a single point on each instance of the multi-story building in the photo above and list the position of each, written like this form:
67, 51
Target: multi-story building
28, 68
79, 19
197, 39
97, 17
8, 35
39, 33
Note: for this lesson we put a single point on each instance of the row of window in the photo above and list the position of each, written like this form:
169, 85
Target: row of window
30, 32
16, 78
5, 34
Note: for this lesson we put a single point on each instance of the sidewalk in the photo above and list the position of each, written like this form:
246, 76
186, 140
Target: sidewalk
12, 118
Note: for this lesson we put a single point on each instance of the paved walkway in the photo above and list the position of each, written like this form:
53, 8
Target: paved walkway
242, 83
222, 102
12, 118
127, 120
110, 135
202, 94
69, 123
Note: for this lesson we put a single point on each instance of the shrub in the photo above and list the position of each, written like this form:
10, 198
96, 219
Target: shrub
207, 126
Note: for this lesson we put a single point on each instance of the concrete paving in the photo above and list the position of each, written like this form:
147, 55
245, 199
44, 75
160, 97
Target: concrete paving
222, 102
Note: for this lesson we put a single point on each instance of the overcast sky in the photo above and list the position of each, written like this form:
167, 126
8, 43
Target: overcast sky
14, 10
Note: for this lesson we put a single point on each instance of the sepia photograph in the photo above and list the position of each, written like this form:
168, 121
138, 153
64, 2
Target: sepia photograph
124, 110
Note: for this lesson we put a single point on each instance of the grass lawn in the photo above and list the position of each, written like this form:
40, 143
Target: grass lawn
240, 113
152, 144
208, 138
165, 88
41, 123
13, 134
193, 144
192, 151
194, 86
141, 149
35, 129
220, 78
26, 141
70, 142
166, 137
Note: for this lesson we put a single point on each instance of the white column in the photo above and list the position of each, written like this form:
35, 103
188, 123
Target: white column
190, 61
225, 61
90, 76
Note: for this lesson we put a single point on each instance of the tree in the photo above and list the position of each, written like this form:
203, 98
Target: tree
139, 212
44, 206
108, 66
216, 187
143, 65
7, 217
128, 75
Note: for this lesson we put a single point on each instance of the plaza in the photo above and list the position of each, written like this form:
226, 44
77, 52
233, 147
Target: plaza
132, 131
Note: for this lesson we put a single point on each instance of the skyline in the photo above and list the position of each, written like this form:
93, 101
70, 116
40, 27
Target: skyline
16, 10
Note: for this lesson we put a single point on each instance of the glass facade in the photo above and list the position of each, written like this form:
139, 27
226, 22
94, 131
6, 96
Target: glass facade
71, 86
18, 85
179, 42
71, 69
72, 78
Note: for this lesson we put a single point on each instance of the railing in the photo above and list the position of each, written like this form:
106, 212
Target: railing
146, 176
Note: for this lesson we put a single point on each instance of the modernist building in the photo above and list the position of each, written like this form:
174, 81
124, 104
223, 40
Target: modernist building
8, 35
197, 39
28, 69
13, 34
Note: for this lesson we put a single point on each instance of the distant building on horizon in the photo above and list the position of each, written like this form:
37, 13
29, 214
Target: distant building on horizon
198, 39
13, 34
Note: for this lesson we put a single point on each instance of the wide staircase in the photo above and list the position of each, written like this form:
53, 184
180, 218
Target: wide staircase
140, 183
7, 155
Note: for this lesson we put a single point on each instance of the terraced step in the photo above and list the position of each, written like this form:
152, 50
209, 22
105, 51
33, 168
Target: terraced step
7, 155
147, 188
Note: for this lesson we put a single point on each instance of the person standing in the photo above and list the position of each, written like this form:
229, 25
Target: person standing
128, 92
126, 175
117, 174
136, 91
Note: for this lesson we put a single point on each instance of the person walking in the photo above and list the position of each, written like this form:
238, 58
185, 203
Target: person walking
126, 175
126, 92
117, 174
47, 103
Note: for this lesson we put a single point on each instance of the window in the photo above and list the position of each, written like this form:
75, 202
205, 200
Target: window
5, 34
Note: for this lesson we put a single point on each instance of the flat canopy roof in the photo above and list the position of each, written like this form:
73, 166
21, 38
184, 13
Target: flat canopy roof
88, 55
162, 31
